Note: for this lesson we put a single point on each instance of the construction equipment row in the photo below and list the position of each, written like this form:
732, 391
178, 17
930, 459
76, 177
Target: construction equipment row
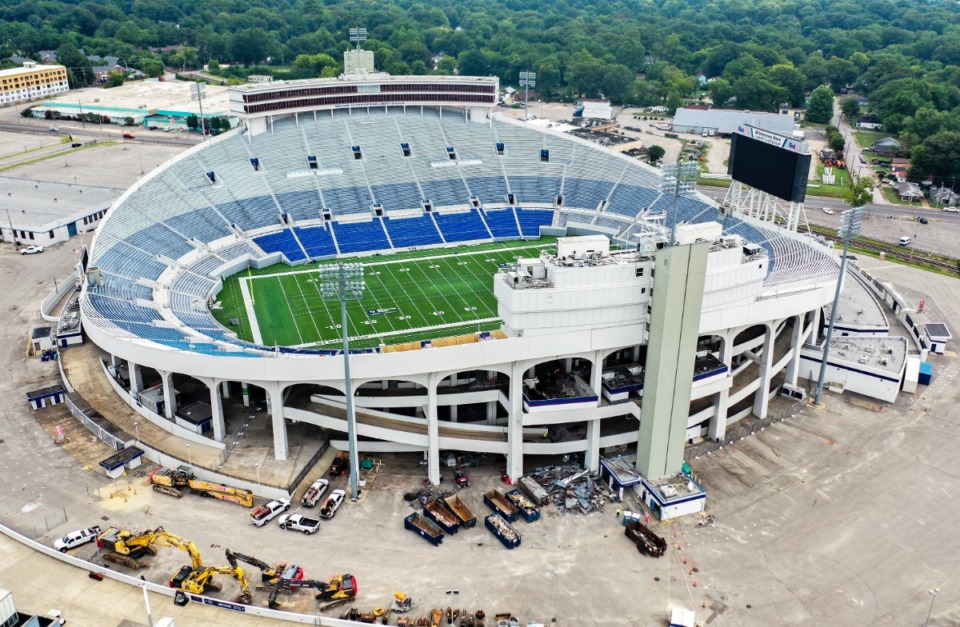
171, 482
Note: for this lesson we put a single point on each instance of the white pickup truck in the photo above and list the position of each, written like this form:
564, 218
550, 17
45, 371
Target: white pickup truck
314, 492
299, 522
77, 538
332, 504
265, 513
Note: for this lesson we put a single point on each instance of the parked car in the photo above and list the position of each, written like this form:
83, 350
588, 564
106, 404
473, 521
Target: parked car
828, 211
299, 522
76, 144
77, 538
905, 240
314, 492
922, 219
332, 504
32, 250
54, 129
265, 513
863, 159
951, 210
128, 136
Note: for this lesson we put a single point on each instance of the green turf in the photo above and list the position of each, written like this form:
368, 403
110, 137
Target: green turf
408, 295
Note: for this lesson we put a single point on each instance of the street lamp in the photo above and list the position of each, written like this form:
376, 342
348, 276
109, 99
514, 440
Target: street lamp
136, 426
850, 223
344, 282
528, 80
933, 595
258, 474
189, 457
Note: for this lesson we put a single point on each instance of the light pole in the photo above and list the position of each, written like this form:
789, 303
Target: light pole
850, 222
528, 80
189, 457
198, 92
258, 474
344, 282
933, 595
136, 426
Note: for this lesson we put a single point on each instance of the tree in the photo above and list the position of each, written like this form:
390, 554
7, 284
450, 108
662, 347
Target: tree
655, 153
791, 80
755, 92
720, 91
860, 192
128, 121
193, 122
937, 156
821, 105
79, 67
836, 141
673, 103
251, 45
850, 107
115, 79
617, 83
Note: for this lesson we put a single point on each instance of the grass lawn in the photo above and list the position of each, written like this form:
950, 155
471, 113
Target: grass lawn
867, 138
409, 296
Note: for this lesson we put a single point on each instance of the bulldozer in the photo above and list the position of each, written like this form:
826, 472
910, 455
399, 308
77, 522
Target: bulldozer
127, 547
169, 481
201, 581
270, 575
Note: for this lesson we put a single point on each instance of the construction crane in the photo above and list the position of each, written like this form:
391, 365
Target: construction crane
170, 481
268, 574
201, 581
339, 590
127, 547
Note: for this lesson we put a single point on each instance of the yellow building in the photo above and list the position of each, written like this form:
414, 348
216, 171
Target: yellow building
32, 81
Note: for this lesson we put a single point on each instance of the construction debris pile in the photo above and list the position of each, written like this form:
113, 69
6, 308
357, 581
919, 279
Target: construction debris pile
568, 486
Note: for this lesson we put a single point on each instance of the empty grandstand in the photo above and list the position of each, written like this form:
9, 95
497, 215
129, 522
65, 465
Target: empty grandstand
440, 203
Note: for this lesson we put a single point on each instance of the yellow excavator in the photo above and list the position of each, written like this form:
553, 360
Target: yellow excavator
127, 547
269, 575
170, 481
201, 581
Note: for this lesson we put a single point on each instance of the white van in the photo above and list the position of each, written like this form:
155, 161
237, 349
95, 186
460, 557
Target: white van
905, 241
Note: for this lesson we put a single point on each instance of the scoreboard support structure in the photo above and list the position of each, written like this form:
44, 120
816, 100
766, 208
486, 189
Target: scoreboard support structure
745, 200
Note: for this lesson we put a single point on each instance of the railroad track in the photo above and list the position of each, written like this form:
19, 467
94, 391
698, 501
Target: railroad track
909, 255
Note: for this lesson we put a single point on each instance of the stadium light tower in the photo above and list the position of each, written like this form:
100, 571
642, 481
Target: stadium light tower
358, 36
528, 80
850, 222
344, 282
197, 93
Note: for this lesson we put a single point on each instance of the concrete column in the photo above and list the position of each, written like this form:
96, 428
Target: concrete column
592, 457
245, 390
717, 429
136, 377
216, 407
169, 394
114, 361
636, 353
491, 412
761, 399
796, 343
515, 426
453, 413
568, 364
815, 325
225, 389
281, 447
433, 433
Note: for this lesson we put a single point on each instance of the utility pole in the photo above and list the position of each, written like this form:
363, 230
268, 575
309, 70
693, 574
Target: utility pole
199, 91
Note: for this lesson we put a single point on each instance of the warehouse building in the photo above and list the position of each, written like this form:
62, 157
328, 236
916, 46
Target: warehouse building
725, 122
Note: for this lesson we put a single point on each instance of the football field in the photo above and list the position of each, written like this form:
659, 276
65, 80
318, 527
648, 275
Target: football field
409, 296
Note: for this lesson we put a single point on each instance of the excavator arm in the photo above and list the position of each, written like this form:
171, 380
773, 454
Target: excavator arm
168, 539
269, 574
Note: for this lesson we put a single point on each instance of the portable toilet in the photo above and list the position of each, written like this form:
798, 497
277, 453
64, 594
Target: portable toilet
926, 373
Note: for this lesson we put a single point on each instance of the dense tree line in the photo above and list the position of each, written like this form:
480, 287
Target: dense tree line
903, 56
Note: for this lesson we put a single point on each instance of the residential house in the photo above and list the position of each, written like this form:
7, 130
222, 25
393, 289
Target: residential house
944, 196
869, 122
908, 191
887, 146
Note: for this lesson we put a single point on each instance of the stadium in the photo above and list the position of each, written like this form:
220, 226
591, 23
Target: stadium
508, 272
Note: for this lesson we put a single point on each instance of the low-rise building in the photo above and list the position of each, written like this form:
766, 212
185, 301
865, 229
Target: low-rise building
726, 121
869, 122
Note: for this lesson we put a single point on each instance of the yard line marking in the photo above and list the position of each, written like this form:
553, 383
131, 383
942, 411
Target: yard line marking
440, 293
286, 301
306, 303
410, 332
473, 293
251, 314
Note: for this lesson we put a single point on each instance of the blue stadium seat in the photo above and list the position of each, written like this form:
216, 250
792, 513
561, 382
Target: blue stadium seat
462, 227
532, 219
282, 241
359, 237
317, 241
502, 222
416, 231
